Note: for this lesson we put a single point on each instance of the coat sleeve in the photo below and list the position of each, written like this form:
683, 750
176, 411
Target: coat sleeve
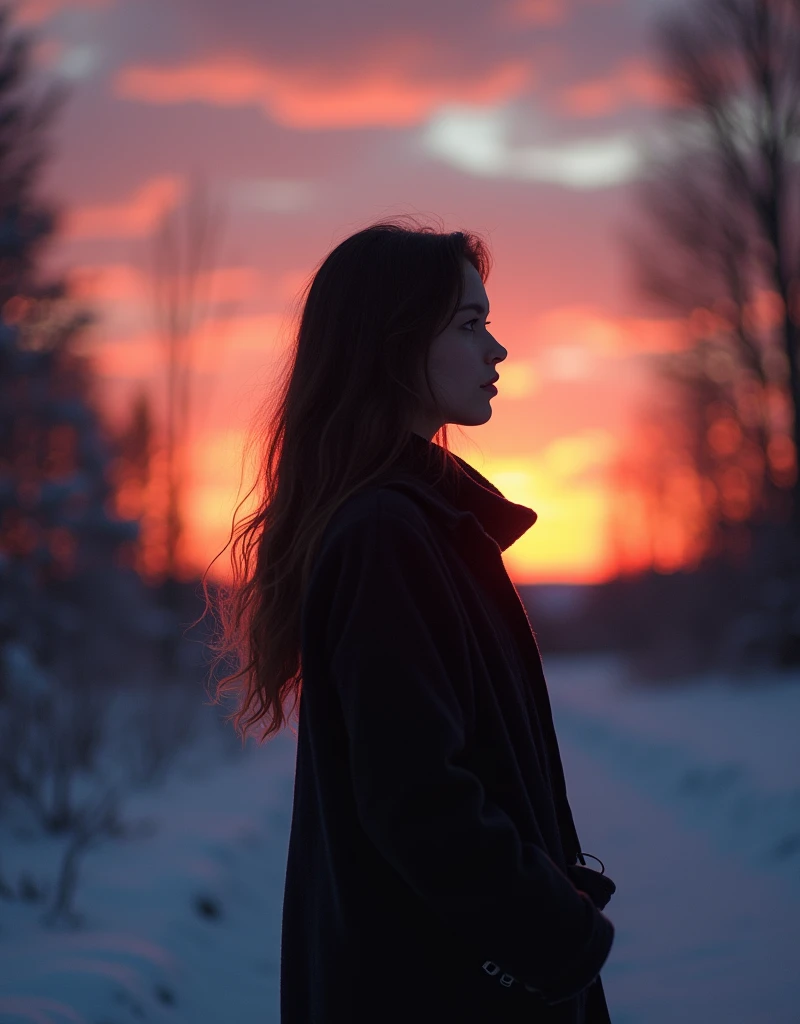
400, 664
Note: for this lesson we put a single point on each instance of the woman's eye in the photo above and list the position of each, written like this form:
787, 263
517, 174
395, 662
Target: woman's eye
476, 321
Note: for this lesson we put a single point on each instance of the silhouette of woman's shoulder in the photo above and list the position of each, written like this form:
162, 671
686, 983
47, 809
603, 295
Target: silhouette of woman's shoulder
376, 505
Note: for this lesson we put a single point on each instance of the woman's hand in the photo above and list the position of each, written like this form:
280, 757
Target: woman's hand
599, 888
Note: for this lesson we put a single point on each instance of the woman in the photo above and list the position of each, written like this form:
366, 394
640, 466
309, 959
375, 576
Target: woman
431, 871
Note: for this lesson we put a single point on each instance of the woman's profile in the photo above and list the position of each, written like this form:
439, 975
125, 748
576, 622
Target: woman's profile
434, 870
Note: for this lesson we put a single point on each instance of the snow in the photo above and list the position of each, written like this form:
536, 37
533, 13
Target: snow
691, 798
181, 925
689, 794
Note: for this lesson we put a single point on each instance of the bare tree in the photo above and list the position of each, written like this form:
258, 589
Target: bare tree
133, 473
184, 249
719, 243
721, 238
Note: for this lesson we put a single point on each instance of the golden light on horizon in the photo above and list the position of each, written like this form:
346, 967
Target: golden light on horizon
568, 542
563, 352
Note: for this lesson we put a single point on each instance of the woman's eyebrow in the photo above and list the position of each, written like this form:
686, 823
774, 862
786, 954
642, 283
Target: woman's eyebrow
473, 305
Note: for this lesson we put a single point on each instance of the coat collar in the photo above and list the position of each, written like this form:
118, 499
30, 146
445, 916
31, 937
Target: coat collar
456, 495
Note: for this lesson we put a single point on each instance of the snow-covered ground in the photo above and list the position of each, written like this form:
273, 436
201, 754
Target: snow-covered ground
690, 796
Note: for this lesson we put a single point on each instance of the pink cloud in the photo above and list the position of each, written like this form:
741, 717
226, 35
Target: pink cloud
122, 282
228, 347
634, 81
388, 88
607, 335
134, 217
34, 12
550, 12
107, 282
538, 12
139, 358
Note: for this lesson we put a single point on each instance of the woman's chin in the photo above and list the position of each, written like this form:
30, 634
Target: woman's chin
473, 417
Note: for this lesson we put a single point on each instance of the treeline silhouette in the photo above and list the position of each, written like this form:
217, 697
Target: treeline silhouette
101, 667
712, 461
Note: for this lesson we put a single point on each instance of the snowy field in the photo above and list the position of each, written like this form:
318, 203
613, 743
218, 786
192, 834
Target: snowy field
691, 797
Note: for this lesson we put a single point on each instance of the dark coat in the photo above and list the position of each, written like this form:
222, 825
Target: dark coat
427, 877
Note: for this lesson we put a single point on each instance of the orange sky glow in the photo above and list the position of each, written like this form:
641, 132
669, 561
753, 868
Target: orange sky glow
308, 133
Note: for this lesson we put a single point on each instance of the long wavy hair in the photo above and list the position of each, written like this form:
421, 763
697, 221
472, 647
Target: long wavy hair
339, 419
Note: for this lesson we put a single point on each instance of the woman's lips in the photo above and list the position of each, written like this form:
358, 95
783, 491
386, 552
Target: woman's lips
489, 387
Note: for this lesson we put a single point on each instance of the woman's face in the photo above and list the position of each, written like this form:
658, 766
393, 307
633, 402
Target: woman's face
461, 359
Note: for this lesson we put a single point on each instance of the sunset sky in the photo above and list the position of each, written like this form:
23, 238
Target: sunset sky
525, 121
